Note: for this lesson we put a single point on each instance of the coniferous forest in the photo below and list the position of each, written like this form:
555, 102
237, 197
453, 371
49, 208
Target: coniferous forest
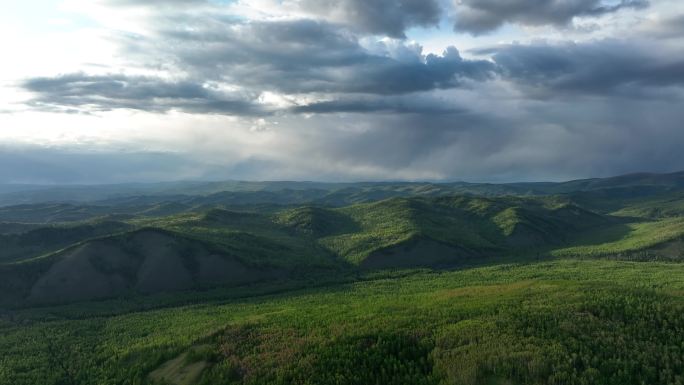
370, 284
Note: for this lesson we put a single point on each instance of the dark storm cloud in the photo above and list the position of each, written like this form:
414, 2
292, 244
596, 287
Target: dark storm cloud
608, 67
389, 77
108, 92
306, 56
408, 142
535, 140
381, 108
215, 47
383, 17
481, 16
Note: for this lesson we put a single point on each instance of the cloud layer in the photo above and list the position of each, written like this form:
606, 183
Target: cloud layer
608, 67
226, 66
346, 90
108, 92
389, 17
481, 16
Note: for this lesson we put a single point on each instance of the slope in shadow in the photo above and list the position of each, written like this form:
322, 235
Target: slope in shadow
146, 261
418, 252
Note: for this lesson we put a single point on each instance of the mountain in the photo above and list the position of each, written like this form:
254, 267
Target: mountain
34, 242
650, 180
337, 194
144, 261
459, 227
49, 264
357, 283
292, 230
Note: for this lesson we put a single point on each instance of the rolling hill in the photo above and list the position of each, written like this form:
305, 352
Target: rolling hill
404, 283
33, 241
313, 241
144, 261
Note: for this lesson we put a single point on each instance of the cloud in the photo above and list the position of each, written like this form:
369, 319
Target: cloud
108, 92
412, 104
306, 56
382, 17
292, 93
605, 67
670, 27
253, 58
482, 16
518, 139
496, 136
375, 17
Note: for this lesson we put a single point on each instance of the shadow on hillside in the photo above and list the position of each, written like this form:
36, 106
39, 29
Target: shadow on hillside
598, 236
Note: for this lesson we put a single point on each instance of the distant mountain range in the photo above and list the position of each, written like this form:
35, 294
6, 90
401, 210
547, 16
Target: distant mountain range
285, 192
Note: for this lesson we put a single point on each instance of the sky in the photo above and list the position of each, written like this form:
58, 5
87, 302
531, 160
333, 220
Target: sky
112, 91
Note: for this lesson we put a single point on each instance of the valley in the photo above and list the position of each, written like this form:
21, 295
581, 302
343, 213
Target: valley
418, 284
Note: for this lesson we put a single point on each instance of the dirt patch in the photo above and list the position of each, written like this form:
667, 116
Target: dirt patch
178, 371
423, 252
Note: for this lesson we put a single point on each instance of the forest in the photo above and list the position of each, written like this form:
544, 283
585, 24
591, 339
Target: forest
429, 286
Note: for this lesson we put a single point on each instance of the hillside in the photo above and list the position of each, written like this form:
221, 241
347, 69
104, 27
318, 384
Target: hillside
668, 206
311, 241
303, 231
356, 284
565, 321
459, 227
33, 241
144, 261
665, 181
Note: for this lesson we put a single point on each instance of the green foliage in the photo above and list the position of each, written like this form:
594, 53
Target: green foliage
316, 221
660, 207
624, 238
567, 321
43, 240
313, 241
321, 320
482, 225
